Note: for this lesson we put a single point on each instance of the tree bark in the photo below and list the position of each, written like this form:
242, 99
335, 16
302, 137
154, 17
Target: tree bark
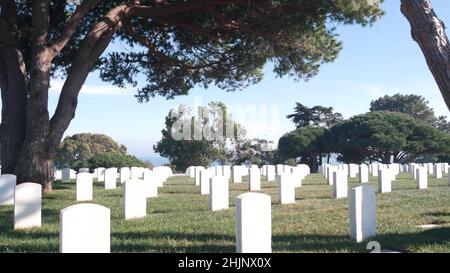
28, 136
429, 32
13, 87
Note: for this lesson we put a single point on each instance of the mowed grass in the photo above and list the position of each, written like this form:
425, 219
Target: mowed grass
179, 219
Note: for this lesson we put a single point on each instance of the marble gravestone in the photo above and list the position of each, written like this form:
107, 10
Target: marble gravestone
7, 186
85, 228
218, 195
135, 199
362, 213
27, 205
84, 187
253, 223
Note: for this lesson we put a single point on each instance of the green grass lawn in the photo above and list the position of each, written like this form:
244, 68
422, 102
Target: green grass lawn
179, 220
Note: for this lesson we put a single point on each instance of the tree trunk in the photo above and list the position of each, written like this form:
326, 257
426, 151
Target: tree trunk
429, 32
36, 165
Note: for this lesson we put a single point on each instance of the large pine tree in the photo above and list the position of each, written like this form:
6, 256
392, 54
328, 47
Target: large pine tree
174, 44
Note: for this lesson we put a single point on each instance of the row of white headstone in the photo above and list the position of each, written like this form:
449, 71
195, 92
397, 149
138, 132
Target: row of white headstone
85, 228
215, 184
27, 200
337, 175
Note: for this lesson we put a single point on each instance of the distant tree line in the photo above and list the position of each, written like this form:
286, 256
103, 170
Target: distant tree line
401, 128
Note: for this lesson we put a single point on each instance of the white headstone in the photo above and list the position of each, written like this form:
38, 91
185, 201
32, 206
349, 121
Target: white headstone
58, 175
270, 173
160, 176
85, 228
299, 174
27, 205
353, 170
286, 188
7, 186
438, 171
101, 174
84, 187
135, 173
237, 174
363, 173
253, 223
135, 199
218, 196
65, 175
111, 178
150, 183
384, 181
340, 184
254, 179
330, 171
362, 212
430, 168
219, 170
197, 175
374, 169
191, 171
205, 176
83, 170
125, 174
421, 177
279, 169
227, 172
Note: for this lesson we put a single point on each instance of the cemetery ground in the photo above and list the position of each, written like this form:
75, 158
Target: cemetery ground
178, 220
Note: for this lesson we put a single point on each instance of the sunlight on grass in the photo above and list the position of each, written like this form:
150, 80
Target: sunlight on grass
179, 220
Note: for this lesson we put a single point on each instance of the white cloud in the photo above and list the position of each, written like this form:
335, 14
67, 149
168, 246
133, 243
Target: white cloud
89, 89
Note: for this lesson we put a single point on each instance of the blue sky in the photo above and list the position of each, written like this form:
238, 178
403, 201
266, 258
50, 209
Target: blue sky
374, 62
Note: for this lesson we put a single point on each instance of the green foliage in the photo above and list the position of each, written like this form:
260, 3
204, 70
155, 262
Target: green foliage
77, 151
443, 125
413, 105
306, 143
376, 136
256, 151
206, 139
192, 49
315, 116
113, 159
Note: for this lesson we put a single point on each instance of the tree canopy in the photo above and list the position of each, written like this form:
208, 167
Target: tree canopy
315, 116
306, 143
113, 159
173, 45
413, 105
255, 151
378, 135
77, 151
189, 140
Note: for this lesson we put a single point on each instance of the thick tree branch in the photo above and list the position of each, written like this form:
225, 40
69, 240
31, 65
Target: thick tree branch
41, 20
72, 25
429, 32
92, 46
184, 7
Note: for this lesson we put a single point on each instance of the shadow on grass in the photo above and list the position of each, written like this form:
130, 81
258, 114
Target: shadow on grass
206, 243
437, 214
63, 186
412, 241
